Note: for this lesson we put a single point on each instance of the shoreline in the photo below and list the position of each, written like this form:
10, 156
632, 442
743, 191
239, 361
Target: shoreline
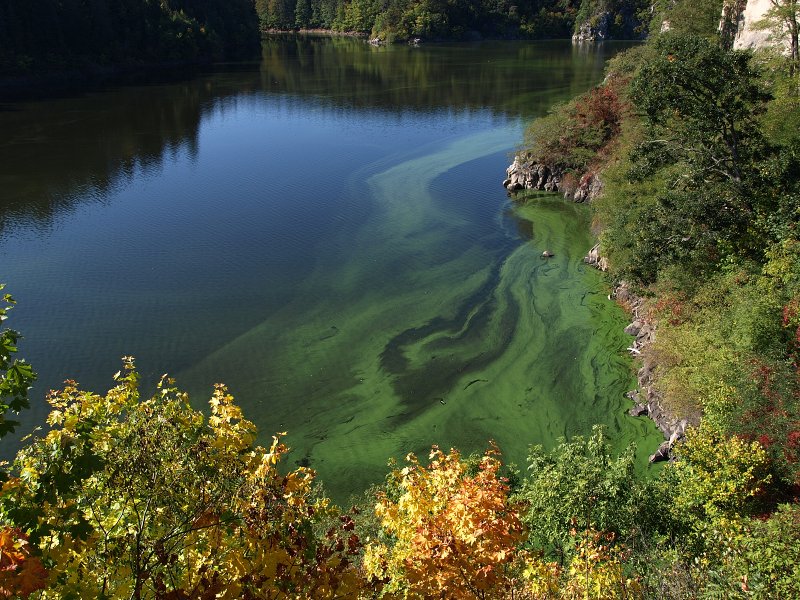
524, 175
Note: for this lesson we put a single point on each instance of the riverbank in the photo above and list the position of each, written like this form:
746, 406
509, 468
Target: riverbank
647, 399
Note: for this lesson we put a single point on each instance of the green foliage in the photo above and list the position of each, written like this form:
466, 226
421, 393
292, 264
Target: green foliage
701, 135
576, 487
441, 19
761, 558
572, 135
16, 376
729, 350
696, 17
718, 477
701, 104
782, 19
629, 16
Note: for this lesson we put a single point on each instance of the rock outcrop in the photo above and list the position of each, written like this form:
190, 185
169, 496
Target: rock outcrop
619, 25
597, 261
745, 14
525, 174
589, 187
529, 175
595, 29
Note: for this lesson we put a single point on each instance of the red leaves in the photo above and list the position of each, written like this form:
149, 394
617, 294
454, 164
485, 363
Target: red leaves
21, 574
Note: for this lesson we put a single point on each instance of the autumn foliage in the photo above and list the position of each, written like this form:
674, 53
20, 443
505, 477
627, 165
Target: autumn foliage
449, 533
572, 136
146, 498
21, 574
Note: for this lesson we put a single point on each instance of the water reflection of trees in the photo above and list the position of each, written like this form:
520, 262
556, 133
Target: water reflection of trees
340, 73
56, 153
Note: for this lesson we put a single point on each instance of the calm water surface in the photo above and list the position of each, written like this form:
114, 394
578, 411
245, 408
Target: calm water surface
325, 232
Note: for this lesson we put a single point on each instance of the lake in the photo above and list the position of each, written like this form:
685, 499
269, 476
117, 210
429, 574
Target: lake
325, 231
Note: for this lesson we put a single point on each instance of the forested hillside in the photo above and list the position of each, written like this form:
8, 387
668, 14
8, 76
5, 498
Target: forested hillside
454, 19
72, 34
76, 34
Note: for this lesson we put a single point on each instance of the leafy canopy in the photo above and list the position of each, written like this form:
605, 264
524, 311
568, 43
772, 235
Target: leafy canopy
146, 498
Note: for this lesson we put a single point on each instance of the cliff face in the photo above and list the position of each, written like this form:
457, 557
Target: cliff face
600, 20
524, 174
747, 14
740, 21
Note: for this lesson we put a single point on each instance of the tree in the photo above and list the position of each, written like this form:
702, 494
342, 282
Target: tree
579, 486
146, 498
448, 533
21, 573
700, 17
700, 105
16, 376
717, 478
302, 14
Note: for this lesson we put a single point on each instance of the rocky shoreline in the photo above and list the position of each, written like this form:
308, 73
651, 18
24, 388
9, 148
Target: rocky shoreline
524, 174
647, 400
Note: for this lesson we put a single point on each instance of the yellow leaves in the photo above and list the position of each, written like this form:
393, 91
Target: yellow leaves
298, 485
596, 571
454, 532
149, 491
717, 474
231, 430
542, 578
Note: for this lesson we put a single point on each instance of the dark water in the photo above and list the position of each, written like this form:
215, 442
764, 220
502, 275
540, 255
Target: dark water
326, 233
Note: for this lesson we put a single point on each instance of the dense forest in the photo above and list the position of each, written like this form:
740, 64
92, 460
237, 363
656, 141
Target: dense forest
454, 19
697, 144
81, 34
74, 34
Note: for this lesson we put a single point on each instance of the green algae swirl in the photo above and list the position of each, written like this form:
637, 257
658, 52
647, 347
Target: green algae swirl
398, 341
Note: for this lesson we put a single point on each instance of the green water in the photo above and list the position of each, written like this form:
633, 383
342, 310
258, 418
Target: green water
326, 233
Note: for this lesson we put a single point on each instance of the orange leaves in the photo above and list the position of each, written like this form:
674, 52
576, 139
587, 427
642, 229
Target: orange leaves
455, 532
20, 573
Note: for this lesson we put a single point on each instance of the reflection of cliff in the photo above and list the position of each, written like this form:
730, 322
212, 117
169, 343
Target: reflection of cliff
342, 74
